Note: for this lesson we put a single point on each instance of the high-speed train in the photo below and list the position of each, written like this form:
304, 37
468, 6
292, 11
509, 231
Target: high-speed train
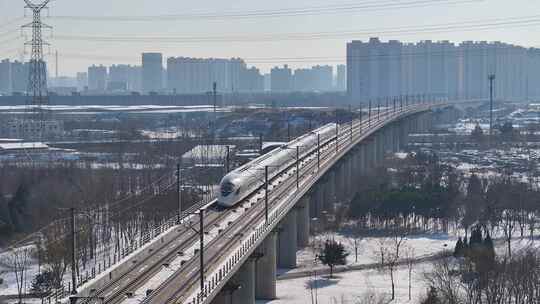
242, 181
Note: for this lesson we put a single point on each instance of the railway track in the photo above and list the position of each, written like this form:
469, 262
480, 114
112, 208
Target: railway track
233, 237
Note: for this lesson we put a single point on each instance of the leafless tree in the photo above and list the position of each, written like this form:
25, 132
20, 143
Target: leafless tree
389, 252
17, 261
410, 259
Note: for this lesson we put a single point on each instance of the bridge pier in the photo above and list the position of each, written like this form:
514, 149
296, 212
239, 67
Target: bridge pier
303, 219
331, 189
395, 137
349, 177
341, 182
265, 280
287, 241
380, 148
319, 199
245, 278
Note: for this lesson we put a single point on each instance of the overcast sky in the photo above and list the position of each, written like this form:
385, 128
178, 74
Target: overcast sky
76, 55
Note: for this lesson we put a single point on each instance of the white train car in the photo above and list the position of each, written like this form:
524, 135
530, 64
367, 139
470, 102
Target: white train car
242, 181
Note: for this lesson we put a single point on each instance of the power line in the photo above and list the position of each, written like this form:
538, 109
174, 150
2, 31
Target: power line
340, 59
290, 12
10, 22
437, 28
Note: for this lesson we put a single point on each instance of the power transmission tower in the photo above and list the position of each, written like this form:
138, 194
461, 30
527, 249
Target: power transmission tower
37, 78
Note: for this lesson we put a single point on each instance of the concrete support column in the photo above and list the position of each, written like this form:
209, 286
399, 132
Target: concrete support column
349, 180
363, 166
356, 167
329, 205
320, 199
395, 137
381, 151
303, 221
245, 277
326, 193
342, 180
287, 241
389, 146
265, 283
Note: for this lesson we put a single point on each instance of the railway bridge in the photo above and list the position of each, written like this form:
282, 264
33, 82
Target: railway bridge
231, 255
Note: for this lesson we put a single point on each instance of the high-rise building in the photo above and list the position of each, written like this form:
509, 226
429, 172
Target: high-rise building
5, 77
82, 81
281, 79
377, 69
267, 82
303, 80
19, 76
252, 80
135, 79
118, 77
324, 76
152, 72
97, 78
341, 78
197, 75
363, 70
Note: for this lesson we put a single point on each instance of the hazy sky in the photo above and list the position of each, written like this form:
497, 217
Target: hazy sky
243, 37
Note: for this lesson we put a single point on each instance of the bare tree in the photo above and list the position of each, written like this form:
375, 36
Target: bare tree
410, 259
17, 261
354, 238
390, 252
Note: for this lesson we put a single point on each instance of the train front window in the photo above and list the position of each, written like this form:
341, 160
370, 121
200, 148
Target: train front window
227, 188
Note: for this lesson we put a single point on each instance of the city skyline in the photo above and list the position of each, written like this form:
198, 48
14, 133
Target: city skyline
261, 41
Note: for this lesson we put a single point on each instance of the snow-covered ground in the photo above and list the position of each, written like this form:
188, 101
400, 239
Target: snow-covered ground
423, 245
352, 287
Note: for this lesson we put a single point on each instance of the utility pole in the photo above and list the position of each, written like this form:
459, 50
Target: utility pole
337, 133
378, 109
228, 160
73, 246
260, 144
266, 194
360, 117
201, 247
491, 80
297, 167
318, 151
179, 192
369, 114
214, 90
56, 65
288, 131
352, 121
